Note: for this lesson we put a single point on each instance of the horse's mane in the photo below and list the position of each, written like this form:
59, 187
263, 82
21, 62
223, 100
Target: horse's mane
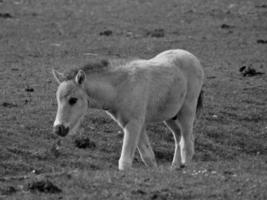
89, 68
99, 66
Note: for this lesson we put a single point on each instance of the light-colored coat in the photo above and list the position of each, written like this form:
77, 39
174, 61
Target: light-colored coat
165, 88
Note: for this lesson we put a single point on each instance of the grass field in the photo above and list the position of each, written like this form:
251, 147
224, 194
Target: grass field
231, 135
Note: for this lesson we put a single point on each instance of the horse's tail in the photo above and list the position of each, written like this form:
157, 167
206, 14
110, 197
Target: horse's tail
200, 103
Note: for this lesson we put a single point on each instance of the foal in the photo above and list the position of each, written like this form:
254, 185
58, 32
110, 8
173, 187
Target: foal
165, 88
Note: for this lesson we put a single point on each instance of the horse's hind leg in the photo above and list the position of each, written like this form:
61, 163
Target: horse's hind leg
173, 125
145, 150
186, 120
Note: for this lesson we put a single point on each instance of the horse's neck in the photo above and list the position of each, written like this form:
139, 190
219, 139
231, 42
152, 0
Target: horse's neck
101, 90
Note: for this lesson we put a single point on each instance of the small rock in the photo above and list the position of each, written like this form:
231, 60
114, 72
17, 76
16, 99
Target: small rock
160, 195
147, 180
261, 41
211, 77
156, 33
43, 186
226, 26
36, 171
154, 196
119, 134
84, 142
14, 69
231, 6
261, 6
34, 14
106, 33
139, 191
55, 44
29, 89
5, 15
9, 105
249, 71
129, 34
94, 167
26, 101
229, 173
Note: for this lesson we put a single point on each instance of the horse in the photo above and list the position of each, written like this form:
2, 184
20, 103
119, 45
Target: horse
166, 88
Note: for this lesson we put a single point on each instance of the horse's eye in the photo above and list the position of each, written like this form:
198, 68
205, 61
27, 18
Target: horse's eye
72, 101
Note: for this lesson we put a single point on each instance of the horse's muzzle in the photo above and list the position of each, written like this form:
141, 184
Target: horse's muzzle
60, 130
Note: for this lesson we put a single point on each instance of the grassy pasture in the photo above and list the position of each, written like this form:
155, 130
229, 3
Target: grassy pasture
231, 134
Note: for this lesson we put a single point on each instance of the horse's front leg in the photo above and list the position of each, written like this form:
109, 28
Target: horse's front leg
131, 137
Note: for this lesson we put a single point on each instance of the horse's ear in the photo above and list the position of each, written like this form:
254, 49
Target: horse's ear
58, 76
80, 77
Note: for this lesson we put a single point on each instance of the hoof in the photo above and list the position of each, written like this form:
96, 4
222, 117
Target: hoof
178, 167
124, 166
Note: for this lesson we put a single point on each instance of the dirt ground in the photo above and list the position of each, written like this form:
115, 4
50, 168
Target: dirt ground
231, 134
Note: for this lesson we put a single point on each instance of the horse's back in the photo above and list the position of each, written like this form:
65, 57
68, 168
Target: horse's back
182, 59
161, 84
177, 77
188, 65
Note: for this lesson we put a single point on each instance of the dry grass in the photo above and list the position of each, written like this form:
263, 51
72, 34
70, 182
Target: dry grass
231, 148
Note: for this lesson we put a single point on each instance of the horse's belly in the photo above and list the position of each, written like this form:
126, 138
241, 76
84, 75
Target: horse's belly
166, 108
159, 117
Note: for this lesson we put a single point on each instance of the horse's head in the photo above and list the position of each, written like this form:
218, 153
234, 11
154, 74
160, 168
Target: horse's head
72, 103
